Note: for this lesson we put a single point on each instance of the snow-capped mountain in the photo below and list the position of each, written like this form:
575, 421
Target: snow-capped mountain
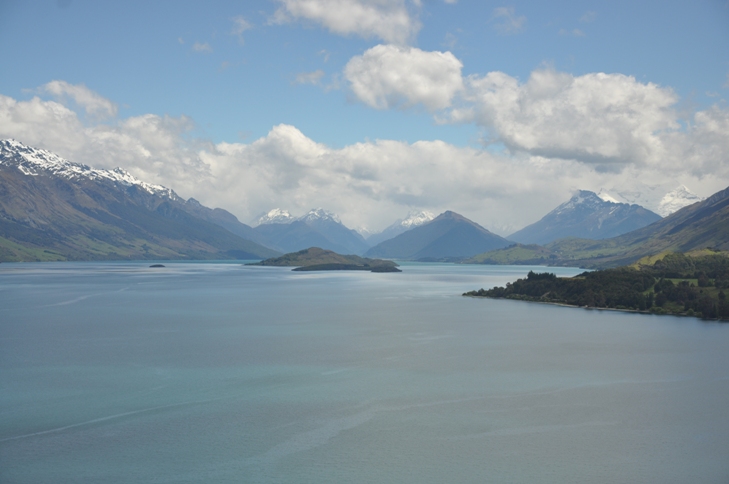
316, 215
588, 216
31, 161
54, 209
413, 219
656, 198
605, 196
676, 199
317, 228
275, 216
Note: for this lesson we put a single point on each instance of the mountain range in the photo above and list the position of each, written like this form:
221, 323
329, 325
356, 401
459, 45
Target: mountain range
588, 216
316, 228
703, 225
53, 209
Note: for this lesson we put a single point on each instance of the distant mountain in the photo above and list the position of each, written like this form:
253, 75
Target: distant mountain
53, 209
586, 215
275, 216
655, 198
224, 219
317, 228
413, 219
677, 199
449, 236
698, 226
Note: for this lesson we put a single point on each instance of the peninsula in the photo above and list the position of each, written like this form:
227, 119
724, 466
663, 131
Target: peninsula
691, 284
316, 259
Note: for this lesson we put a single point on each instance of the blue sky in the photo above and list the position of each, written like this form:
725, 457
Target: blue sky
216, 79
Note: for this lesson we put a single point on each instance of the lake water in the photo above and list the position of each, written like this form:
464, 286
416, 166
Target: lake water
217, 372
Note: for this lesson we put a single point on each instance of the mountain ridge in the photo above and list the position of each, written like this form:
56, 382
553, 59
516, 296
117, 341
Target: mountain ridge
585, 215
54, 209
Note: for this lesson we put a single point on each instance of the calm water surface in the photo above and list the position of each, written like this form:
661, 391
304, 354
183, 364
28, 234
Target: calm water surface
115, 372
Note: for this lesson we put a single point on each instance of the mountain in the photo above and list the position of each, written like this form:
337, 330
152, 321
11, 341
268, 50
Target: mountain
53, 209
656, 198
677, 199
224, 219
448, 236
413, 219
275, 216
586, 215
698, 226
317, 228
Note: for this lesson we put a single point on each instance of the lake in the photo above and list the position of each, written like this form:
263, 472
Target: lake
217, 372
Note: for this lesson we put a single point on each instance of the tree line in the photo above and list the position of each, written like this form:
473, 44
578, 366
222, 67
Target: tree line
676, 284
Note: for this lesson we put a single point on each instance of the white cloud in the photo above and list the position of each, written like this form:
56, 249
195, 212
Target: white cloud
374, 182
93, 104
388, 20
595, 118
240, 25
588, 17
506, 22
388, 76
309, 77
201, 47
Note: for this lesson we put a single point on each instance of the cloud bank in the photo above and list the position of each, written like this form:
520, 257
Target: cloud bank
372, 183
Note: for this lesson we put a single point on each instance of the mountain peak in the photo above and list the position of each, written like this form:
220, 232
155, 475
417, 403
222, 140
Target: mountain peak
275, 216
676, 199
606, 197
417, 217
586, 215
316, 214
33, 162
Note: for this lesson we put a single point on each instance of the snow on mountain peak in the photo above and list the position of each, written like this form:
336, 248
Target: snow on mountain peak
275, 216
676, 199
31, 161
605, 196
316, 214
416, 218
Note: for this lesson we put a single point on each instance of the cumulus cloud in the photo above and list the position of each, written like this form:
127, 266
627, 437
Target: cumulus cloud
588, 17
240, 25
506, 22
368, 183
201, 47
387, 76
309, 77
388, 20
595, 118
93, 104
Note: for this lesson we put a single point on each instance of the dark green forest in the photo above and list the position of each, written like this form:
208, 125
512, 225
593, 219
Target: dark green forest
676, 284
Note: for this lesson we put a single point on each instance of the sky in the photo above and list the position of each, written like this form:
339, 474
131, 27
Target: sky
374, 108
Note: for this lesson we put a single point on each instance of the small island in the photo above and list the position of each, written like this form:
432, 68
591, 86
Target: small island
690, 284
316, 259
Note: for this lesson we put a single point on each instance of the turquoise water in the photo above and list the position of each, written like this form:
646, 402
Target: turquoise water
115, 372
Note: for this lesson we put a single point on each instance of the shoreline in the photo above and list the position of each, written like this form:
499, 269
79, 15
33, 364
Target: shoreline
636, 311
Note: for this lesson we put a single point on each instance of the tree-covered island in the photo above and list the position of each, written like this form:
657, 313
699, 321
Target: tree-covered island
693, 284
316, 259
